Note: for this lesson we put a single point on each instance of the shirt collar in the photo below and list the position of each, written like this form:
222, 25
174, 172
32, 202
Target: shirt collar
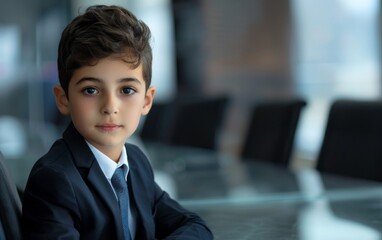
108, 166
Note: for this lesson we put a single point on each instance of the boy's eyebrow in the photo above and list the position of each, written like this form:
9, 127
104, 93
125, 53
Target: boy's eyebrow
93, 79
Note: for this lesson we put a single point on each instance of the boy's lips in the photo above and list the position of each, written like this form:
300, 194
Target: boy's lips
108, 127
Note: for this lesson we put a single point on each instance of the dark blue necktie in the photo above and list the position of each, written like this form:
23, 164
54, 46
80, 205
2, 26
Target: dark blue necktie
120, 187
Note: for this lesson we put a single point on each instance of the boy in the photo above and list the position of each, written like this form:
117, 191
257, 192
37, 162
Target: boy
104, 64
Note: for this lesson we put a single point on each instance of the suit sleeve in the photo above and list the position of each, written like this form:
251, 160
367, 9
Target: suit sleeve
175, 222
172, 221
49, 206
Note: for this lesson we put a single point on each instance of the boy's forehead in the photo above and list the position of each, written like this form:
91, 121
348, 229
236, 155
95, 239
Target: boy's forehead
109, 68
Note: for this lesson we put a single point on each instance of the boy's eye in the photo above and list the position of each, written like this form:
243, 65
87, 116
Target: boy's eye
127, 91
90, 91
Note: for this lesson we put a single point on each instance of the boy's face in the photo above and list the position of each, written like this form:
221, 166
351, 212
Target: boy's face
106, 102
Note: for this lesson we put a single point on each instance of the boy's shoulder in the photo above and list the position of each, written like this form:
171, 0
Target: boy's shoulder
133, 149
55, 155
138, 159
53, 166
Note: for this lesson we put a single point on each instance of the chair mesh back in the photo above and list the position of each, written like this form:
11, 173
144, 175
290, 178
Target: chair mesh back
198, 123
352, 144
271, 131
10, 204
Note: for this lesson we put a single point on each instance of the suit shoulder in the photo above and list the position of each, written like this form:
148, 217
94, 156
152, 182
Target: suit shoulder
134, 151
57, 157
133, 147
136, 155
55, 168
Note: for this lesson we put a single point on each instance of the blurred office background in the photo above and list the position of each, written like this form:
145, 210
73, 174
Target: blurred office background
250, 50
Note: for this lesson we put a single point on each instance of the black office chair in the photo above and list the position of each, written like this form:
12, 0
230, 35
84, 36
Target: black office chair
352, 144
157, 123
10, 204
2, 233
198, 122
271, 132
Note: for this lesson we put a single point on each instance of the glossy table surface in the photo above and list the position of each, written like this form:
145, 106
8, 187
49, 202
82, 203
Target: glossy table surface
257, 200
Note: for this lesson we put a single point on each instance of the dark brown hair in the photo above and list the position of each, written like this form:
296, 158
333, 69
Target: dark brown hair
100, 32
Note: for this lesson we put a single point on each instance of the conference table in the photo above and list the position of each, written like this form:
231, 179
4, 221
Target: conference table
242, 199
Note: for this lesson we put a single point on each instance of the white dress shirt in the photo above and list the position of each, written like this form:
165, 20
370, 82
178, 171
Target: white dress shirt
108, 167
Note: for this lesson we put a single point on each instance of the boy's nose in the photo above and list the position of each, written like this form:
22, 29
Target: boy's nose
109, 110
110, 105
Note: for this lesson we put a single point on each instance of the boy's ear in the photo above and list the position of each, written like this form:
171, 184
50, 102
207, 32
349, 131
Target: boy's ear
61, 100
150, 93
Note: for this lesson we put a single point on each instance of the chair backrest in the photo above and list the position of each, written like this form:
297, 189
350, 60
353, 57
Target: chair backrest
352, 144
2, 233
157, 123
198, 123
271, 132
10, 204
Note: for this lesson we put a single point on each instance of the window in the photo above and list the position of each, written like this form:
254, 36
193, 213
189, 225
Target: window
336, 55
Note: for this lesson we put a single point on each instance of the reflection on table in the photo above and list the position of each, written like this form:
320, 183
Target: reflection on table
256, 200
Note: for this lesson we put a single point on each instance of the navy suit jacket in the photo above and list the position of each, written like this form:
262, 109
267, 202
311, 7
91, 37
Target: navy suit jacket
67, 196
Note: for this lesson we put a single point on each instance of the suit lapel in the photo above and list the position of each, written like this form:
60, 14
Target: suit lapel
102, 186
136, 183
86, 163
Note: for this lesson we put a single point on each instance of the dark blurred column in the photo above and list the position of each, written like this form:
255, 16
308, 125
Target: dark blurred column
233, 45
380, 36
248, 56
248, 46
239, 48
189, 38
